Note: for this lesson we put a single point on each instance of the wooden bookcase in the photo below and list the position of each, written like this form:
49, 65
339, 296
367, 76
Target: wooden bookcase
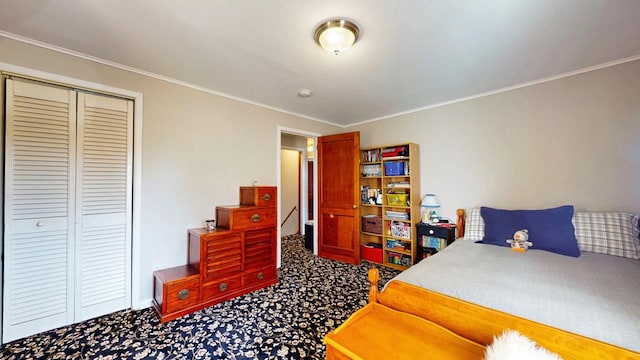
390, 204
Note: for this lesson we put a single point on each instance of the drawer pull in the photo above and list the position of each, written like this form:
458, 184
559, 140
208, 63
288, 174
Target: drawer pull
40, 224
431, 232
255, 218
223, 287
266, 197
260, 275
183, 294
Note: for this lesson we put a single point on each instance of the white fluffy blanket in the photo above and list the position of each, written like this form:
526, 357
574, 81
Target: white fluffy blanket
512, 345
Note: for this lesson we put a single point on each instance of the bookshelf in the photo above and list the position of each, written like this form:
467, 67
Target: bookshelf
390, 204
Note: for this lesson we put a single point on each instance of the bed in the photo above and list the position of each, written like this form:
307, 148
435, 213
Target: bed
580, 307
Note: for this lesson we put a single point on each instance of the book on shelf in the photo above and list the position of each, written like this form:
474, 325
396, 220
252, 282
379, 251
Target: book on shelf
433, 242
399, 259
370, 196
371, 170
395, 244
397, 215
399, 184
395, 151
371, 155
426, 252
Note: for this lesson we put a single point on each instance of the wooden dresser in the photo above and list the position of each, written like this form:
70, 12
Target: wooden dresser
238, 257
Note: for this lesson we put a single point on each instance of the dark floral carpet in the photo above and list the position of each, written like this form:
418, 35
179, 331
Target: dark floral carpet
284, 321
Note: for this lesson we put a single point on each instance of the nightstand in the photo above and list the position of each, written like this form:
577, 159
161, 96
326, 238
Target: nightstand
432, 238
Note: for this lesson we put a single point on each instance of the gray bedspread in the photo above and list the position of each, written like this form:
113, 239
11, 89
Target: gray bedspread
594, 295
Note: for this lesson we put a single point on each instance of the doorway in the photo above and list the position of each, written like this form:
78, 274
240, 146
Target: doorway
301, 144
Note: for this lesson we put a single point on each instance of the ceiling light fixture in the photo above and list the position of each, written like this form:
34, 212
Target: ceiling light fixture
336, 35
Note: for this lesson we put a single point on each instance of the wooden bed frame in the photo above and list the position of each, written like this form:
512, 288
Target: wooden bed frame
480, 324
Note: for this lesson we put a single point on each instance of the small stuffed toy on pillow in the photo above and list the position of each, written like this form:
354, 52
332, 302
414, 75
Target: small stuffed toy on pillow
512, 345
520, 241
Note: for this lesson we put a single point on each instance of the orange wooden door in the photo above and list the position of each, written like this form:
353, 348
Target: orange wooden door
338, 197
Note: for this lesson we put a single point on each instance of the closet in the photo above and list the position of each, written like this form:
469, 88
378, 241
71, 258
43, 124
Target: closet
67, 206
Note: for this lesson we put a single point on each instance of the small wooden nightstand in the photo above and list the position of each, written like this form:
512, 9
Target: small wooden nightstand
432, 238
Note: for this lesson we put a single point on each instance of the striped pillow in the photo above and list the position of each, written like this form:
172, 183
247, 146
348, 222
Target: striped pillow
611, 233
473, 224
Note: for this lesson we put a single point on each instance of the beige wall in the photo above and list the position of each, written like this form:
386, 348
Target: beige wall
197, 149
575, 140
290, 190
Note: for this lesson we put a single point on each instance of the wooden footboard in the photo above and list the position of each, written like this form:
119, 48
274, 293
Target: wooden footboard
481, 324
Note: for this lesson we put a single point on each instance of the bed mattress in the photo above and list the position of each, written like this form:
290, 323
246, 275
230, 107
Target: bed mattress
594, 295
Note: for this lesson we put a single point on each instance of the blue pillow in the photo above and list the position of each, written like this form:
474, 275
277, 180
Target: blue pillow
549, 229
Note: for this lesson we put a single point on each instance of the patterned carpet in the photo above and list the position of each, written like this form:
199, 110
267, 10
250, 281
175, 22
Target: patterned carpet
284, 321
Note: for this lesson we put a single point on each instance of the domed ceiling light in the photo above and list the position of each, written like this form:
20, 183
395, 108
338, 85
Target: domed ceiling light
336, 35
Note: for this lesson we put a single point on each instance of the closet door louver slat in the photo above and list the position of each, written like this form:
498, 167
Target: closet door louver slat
39, 187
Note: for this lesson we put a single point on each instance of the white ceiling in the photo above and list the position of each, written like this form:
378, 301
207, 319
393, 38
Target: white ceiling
412, 54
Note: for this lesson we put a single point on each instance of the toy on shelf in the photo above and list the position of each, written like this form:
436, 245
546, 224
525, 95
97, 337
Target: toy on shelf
520, 241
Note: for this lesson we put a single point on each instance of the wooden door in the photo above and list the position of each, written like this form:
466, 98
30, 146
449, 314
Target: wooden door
338, 197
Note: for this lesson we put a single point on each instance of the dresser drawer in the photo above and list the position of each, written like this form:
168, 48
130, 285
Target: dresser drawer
437, 231
257, 276
260, 196
176, 288
245, 217
222, 287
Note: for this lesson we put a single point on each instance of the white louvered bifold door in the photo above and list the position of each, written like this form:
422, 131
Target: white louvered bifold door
103, 206
39, 204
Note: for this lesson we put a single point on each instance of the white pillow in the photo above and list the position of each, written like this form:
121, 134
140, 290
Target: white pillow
512, 345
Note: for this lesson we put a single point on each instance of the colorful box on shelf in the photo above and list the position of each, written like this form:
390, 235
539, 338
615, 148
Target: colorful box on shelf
372, 224
400, 229
394, 168
398, 199
371, 252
